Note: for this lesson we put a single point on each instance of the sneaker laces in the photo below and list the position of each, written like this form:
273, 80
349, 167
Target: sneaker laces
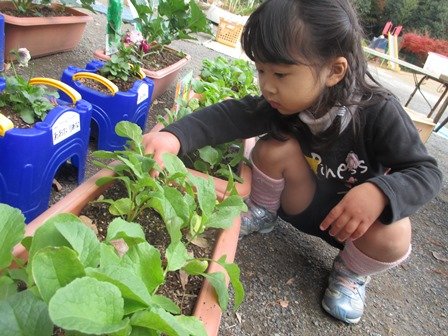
347, 278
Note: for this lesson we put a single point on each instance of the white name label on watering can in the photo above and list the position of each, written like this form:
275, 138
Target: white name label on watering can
67, 124
142, 93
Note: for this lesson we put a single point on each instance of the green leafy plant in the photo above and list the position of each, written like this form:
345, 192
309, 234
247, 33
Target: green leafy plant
193, 199
123, 65
217, 160
31, 6
169, 20
31, 102
85, 286
220, 78
71, 277
183, 108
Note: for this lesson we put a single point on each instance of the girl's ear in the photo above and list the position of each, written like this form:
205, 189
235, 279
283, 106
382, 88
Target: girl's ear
338, 68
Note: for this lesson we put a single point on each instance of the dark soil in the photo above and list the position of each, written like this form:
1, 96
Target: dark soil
122, 85
8, 112
156, 235
97, 216
36, 10
161, 59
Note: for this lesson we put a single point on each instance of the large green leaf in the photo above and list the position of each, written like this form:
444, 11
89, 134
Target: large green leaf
210, 155
160, 320
7, 287
132, 233
24, 314
129, 130
218, 281
12, 229
49, 235
88, 306
178, 201
206, 194
177, 256
81, 239
234, 274
132, 288
173, 164
192, 324
55, 267
145, 260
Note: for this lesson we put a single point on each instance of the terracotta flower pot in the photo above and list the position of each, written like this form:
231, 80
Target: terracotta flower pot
43, 35
207, 308
244, 187
162, 78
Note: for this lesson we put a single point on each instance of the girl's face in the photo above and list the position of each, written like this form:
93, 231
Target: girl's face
290, 88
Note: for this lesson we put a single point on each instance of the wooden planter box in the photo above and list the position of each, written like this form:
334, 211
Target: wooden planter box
207, 308
41, 35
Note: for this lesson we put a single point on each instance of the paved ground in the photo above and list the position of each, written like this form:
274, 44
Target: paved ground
285, 272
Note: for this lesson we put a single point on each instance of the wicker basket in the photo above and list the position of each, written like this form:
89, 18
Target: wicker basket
229, 32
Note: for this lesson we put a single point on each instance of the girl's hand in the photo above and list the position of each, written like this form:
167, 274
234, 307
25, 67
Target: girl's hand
356, 212
158, 143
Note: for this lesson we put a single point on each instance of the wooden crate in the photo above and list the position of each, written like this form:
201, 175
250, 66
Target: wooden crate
423, 124
229, 32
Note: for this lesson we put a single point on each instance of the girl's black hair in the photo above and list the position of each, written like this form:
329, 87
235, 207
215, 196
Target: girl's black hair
313, 32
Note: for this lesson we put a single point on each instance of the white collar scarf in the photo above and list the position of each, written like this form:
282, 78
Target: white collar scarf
319, 125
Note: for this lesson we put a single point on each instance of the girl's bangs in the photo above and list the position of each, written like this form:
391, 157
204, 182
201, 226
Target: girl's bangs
269, 38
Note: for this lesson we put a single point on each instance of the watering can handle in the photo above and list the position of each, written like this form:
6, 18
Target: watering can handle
103, 80
69, 91
5, 124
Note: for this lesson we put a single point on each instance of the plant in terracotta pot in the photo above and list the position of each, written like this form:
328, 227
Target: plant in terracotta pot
117, 280
45, 27
117, 89
159, 25
38, 134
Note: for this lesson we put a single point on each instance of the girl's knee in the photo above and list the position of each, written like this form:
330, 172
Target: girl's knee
274, 151
386, 242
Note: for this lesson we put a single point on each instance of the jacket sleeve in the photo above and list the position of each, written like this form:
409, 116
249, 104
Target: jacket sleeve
220, 123
414, 178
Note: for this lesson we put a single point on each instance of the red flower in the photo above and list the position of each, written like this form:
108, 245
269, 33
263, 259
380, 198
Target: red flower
144, 46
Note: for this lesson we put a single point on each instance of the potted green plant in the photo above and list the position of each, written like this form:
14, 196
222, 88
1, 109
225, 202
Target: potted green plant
123, 273
157, 26
39, 133
117, 89
44, 28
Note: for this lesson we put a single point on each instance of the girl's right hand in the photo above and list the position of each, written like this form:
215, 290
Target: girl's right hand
158, 143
